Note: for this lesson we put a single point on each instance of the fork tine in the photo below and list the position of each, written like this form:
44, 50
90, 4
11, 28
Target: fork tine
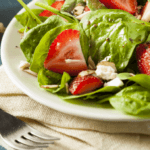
26, 141
38, 139
19, 146
42, 135
18, 135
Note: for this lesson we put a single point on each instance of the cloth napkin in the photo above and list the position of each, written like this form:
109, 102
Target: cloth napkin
75, 133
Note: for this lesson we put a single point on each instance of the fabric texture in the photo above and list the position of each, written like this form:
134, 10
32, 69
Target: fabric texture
75, 133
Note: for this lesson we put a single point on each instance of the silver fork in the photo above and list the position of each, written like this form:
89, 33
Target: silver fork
18, 135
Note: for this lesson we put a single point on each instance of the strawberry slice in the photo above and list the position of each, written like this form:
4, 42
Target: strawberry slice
143, 58
85, 84
86, 9
127, 5
57, 5
146, 12
65, 54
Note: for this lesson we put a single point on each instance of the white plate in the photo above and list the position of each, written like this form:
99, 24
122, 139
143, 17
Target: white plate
11, 57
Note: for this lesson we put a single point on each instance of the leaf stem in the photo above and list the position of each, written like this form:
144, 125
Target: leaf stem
55, 11
29, 11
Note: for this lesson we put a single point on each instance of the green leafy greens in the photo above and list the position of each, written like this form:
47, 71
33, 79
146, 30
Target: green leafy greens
95, 4
32, 38
103, 32
40, 56
114, 33
25, 20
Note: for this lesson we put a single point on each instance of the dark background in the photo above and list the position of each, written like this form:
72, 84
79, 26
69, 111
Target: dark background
8, 9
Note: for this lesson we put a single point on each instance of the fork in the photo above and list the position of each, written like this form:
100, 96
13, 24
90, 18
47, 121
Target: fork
20, 136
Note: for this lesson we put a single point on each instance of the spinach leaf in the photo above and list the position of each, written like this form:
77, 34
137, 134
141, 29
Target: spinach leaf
42, 49
69, 5
81, 1
33, 37
124, 76
47, 77
84, 41
30, 13
65, 15
90, 103
114, 33
133, 100
49, 2
31, 23
23, 18
148, 39
141, 79
96, 94
95, 4
65, 79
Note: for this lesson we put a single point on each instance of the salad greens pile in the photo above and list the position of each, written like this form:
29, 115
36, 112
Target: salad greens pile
103, 32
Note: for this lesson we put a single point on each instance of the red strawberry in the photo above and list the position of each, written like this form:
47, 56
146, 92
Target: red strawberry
127, 5
57, 5
146, 12
86, 9
66, 47
85, 84
143, 58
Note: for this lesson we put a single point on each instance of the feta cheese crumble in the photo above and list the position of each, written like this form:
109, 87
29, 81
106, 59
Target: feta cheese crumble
114, 82
106, 70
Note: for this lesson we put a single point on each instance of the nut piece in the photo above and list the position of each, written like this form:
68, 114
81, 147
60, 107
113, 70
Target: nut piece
24, 65
30, 72
106, 70
78, 10
91, 63
82, 15
2, 28
114, 82
139, 17
86, 72
146, 14
49, 86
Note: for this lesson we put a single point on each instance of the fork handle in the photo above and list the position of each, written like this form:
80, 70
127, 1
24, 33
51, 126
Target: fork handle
8, 121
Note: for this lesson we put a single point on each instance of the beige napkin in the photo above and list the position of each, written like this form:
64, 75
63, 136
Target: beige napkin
76, 133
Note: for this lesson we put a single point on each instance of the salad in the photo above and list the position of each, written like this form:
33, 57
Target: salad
90, 50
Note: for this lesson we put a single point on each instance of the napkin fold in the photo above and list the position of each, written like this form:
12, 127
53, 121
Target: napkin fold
75, 133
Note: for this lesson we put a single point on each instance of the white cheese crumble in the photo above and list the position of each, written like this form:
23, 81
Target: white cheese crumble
106, 70
114, 82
